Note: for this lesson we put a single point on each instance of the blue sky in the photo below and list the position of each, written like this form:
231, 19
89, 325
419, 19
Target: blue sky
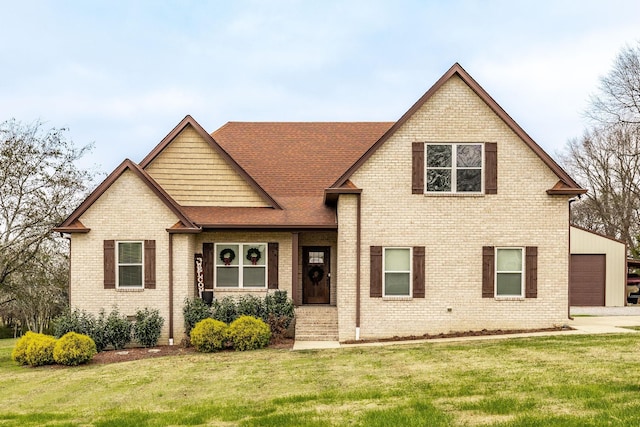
122, 74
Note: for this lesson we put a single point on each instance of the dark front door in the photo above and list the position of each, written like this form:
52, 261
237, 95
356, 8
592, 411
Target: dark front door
316, 275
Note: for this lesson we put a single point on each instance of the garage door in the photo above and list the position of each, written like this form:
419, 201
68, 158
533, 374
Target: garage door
587, 280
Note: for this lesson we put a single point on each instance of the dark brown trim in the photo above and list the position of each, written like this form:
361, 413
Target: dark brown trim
170, 286
562, 189
190, 121
144, 177
295, 246
331, 194
417, 168
75, 227
267, 227
456, 69
358, 253
569, 264
272, 265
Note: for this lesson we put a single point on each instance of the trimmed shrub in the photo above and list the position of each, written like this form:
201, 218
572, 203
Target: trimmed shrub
84, 323
249, 333
250, 305
40, 350
194, 310
73, 349
279, 312
19, 352
209, 335
148, 326
117, 330
224, 310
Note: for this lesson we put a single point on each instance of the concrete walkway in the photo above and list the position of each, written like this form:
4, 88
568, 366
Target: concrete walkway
584, 323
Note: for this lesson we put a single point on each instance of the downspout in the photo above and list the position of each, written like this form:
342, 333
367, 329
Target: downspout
573, 199
170, 288
358, 236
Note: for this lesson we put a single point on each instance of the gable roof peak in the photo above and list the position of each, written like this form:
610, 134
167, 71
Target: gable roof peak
457, 69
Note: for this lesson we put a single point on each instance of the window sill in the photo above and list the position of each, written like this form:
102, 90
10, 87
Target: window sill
129, 289
223, 289
509, 298
397, 298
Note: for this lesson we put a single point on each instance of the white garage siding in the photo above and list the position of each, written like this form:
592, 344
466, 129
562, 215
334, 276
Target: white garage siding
587, 242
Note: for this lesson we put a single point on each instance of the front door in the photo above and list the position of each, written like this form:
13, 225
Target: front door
316, 275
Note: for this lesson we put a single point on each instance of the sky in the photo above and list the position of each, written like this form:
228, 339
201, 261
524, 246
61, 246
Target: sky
121, 74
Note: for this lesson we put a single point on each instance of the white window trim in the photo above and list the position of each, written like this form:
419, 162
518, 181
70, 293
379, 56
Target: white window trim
384, 273
522, 273
242, 262
454, 168
118, 265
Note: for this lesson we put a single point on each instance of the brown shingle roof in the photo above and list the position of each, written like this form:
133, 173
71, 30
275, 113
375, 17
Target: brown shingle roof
298, 159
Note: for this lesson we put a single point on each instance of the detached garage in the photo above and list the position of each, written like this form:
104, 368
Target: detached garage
598, 270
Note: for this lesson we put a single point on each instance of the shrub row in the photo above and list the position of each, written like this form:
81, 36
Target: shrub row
39, 349
276, 310
244, 333
113, 330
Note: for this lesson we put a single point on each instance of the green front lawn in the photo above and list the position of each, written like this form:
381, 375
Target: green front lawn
550, 381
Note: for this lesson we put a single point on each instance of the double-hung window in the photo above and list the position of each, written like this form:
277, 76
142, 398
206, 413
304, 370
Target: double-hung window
454, 168
509, 272
130, 265
241, 265
397, 271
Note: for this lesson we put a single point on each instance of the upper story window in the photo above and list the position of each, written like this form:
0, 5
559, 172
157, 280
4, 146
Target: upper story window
241, 265
454, 168
130, 265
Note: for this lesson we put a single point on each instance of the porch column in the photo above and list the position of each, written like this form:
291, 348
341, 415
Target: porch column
295, 237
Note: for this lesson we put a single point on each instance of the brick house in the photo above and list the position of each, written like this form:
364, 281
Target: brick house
450, 219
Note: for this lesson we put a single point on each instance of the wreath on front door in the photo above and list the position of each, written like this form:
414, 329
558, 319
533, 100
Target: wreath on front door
254, 255
227, 256
316, 274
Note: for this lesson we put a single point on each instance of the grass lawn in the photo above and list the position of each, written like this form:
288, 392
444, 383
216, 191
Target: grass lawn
546, 381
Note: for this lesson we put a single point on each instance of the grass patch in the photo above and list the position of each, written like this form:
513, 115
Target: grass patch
567, 380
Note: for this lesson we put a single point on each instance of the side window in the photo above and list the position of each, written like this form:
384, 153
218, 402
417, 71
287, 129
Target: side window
130, 266
397, 271
509, 272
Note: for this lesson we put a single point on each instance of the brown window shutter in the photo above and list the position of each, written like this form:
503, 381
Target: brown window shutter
208, 264
375, 290
491, 168
531, 278
150, 264
417, 168
272, 261
109, 264
488, 270
418, 272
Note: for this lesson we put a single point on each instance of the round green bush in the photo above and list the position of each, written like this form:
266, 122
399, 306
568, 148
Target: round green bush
40, 350
209, 335
19, 353
249, 333
73, 349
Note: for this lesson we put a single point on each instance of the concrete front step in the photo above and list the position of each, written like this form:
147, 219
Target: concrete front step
316, 323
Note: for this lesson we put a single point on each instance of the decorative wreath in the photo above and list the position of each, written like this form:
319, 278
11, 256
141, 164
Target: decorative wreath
316, 274
227, 256
254, 255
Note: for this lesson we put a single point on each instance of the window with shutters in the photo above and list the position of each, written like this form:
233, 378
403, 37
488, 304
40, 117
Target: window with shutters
396, 265
454, 168
241, 265
130, 265
509, 272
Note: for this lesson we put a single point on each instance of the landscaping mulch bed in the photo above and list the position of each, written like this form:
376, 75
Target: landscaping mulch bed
483, 332
137, 353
